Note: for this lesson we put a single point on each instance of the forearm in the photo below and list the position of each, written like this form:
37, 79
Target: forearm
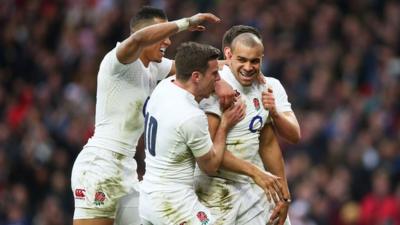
276, 166
218, 148
272, 158
265, 180
287, 127
219, 130
154, 33
130, 48
234, 164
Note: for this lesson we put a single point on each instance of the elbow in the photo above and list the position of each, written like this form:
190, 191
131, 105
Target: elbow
136, 39
292, 138
298, 136
211, 171
210, 163
295, 139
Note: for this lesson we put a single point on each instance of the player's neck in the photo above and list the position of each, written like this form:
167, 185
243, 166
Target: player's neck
145, 61
188, 87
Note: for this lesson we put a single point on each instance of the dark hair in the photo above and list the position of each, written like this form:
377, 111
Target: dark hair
146, 14
235, 31
192, 56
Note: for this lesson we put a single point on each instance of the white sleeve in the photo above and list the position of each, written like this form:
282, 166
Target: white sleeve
281, 98
163, 68
111, 64
196, 135
211, 105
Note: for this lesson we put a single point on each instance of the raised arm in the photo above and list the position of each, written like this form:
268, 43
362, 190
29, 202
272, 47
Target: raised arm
130, 48
272, 158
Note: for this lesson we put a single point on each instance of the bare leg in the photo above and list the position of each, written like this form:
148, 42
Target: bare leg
97, 221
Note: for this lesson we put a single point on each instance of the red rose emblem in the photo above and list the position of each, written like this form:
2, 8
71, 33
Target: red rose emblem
202, 216
256, 103
99, 198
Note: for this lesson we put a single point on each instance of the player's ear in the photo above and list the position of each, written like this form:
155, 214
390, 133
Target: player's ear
227, 52
196, 76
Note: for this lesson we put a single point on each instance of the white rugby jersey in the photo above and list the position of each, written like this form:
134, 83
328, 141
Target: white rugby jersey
176, 131
122, 90
243, 138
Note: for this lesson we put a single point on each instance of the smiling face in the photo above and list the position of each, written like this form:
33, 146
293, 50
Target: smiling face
155, 52
245, 61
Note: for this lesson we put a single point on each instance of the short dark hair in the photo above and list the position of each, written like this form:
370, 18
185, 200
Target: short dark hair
236, 31
192, 56
145, 15
247, 39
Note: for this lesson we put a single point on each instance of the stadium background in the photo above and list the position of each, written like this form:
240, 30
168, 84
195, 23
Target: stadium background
339, 62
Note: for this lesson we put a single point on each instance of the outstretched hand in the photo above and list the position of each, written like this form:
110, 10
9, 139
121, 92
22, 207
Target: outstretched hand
279, 214
196, 21
270, 184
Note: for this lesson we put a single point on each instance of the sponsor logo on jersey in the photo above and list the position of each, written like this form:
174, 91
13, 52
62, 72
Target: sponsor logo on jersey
80, 193
202, 216
256, 103
99, 198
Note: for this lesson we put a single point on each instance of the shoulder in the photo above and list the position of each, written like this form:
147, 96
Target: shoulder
275, 84
225, 71
111, 62
211, 105
273, 81
192, 119
163, 90
192, 111
161, 67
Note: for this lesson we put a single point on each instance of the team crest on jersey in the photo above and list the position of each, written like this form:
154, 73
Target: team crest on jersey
202, 216
256, 103
99, 198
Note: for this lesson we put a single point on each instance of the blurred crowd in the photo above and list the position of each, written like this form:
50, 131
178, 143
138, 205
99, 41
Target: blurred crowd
339, 62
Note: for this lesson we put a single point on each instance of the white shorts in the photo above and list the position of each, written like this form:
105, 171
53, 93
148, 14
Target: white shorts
104, 184
180, 207
228, 201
